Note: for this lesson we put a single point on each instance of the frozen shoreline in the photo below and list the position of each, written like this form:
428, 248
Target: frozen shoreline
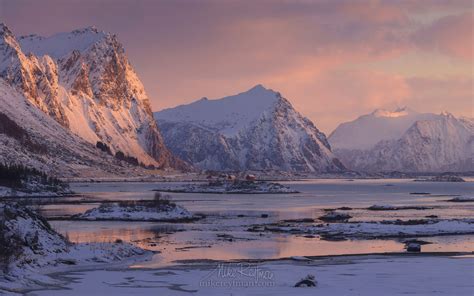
370, 230
397, 274
9, 193
31, 248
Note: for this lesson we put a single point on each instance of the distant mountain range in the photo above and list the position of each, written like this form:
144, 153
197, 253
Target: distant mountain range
254, 130
405, 140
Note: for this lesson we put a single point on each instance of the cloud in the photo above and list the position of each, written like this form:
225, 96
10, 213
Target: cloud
451, 35
316, 53
347, 94
453, 94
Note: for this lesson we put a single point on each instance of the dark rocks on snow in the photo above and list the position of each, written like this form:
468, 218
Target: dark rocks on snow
308, 281
335, 217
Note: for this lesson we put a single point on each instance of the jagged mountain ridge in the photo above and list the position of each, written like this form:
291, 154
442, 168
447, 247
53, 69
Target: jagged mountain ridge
84, 81
254, 130
437, 144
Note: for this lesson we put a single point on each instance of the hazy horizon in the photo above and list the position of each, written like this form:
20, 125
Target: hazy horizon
333, 60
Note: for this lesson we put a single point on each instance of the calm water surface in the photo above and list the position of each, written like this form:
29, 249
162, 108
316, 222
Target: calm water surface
204, 239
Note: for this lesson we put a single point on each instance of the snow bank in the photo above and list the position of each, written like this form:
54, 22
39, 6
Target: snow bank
374, 275
136, 212
388, 228
31, 248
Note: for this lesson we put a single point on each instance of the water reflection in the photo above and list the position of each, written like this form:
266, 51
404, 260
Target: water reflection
231, 215
90, 231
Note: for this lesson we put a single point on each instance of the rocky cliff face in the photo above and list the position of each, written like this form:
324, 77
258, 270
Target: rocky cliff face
254, 130
84, 81
32, 138
36, 77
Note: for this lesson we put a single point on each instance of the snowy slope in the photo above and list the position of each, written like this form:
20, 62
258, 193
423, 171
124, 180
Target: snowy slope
227, 115
254, 130
41, 250
367, 130
444, 143
84, 81
32, 138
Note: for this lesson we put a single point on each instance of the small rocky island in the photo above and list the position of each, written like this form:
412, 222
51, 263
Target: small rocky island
442, 178
232, 187
461, 199
160, 208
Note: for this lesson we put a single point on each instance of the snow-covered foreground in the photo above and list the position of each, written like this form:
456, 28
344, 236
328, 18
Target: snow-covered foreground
30, 248
372, 275
187, 250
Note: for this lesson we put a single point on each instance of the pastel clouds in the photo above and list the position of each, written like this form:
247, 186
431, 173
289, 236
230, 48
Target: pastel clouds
333, 59
451, 35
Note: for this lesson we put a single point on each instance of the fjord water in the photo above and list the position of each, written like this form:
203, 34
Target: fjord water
223, 234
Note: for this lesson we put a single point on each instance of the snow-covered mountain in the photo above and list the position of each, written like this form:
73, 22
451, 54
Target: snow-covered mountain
84, 81
254, 130
368, 130
30, 137
411, 142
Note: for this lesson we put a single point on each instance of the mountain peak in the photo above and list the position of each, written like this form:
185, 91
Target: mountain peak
61, 44
4, 30
254, 130
90, 29
367, 130
399, 112
259, 88
91, 69
447, 114
229, 114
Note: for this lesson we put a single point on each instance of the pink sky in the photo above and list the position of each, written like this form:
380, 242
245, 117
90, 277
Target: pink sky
334, 60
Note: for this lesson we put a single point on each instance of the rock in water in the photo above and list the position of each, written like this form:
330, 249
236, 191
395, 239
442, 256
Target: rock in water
413, 247
335, 217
